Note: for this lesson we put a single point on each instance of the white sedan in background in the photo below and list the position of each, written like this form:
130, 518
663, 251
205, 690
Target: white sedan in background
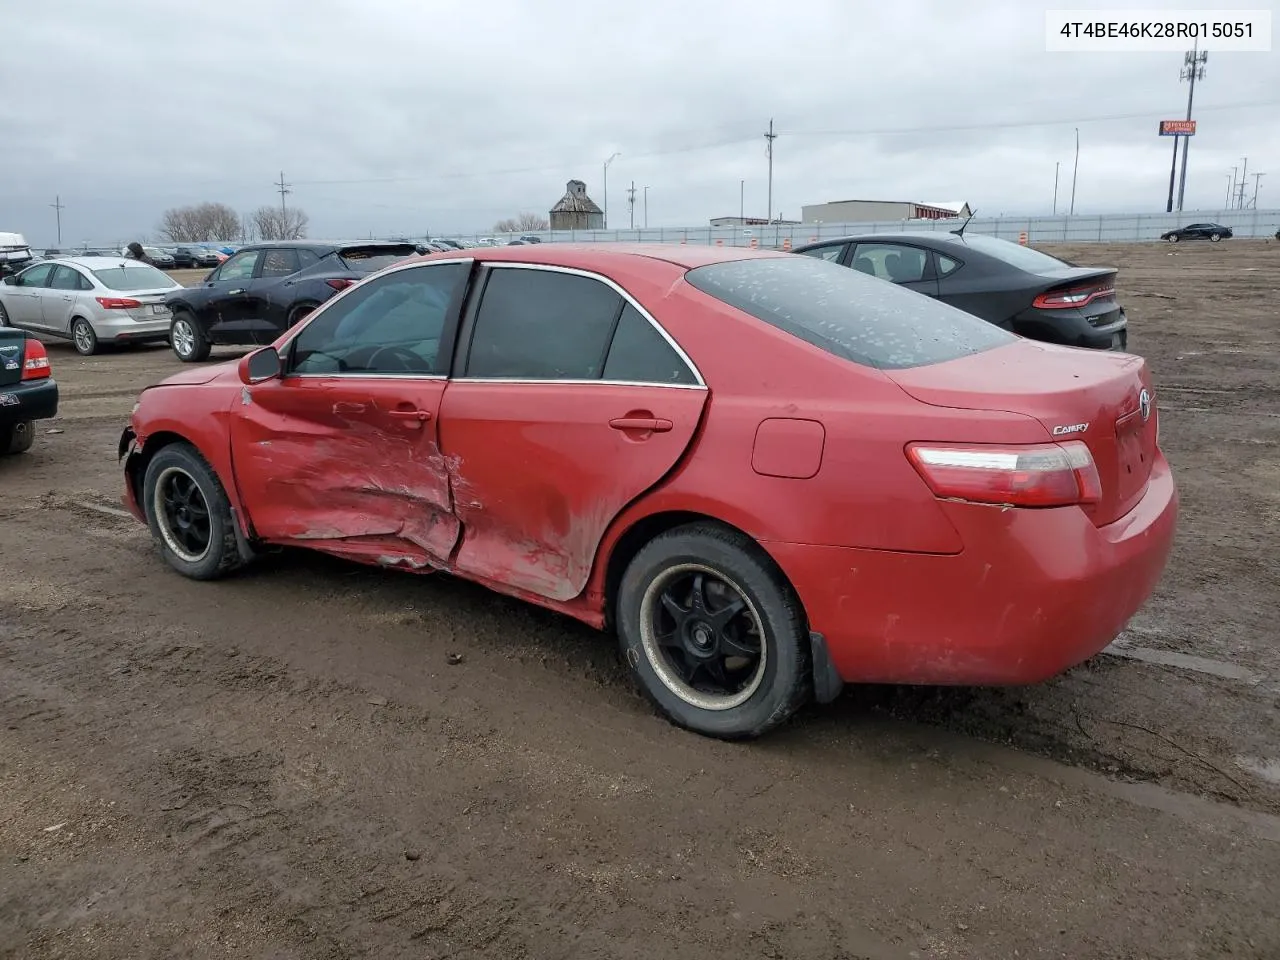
90, 301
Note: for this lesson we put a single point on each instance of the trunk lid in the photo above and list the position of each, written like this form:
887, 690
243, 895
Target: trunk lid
152, 303
1075, 394
1093, 288
13, 352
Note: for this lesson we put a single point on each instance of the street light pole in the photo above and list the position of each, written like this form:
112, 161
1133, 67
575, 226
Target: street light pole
742, 200
1056, 165
646, 207
615, 156
1074, 171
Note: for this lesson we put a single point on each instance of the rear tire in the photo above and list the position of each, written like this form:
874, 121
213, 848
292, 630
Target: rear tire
189, 514
300, 313
679, 633
187, 339
4, 316
84, 337
17, 437
1215, 237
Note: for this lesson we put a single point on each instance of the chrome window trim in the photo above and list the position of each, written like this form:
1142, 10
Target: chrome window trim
580, 272
582, 383
288, 341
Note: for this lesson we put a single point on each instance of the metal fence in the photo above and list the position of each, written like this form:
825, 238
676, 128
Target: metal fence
1107, 228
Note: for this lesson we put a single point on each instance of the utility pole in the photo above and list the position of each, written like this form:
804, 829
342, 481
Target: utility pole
768, 139
1244, 176
58, 208
606, 187
1256, 178
1193, 70
1074, 171
1056, 165
1231, 194
631, 202
646, 207
283, 189
1173, 175
742, 200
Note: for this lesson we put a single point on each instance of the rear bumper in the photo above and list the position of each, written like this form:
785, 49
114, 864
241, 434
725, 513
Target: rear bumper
1076, 327
28, 400
1033, 593
122, 330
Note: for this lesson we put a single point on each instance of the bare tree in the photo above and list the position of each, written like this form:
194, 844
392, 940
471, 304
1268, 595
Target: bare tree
199, 223
526, 222
272, 223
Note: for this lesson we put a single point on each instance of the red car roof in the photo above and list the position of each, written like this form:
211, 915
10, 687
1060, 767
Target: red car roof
599, 255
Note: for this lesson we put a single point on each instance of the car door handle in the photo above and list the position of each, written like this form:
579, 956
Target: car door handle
420, 416
651, 424
68, 299
234, 292
344, 407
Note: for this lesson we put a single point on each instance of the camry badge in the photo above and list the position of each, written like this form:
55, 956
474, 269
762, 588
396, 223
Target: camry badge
1144, 405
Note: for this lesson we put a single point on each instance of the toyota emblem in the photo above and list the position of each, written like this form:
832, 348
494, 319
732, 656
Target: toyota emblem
1144, 405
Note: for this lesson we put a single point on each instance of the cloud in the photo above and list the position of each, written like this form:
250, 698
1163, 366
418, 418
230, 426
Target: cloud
390, 117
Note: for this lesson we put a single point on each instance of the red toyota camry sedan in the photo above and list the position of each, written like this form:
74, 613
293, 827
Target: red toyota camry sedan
769, 474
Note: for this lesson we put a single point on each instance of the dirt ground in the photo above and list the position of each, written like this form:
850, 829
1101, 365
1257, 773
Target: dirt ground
289, 765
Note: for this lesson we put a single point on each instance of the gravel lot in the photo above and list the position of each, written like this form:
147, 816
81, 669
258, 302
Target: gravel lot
288, 765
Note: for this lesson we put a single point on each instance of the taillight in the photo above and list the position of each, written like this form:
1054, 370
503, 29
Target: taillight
340, 284
118, 303
36, 366
1074, 297
1039, 475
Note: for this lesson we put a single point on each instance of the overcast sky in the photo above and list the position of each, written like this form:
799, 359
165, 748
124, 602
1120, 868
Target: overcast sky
408, 116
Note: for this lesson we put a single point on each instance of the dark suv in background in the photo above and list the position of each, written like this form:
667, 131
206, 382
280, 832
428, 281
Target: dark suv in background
263, 289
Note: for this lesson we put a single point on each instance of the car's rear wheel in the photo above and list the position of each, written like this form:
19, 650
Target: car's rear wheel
17, 437
300, 313
4, 316
1215, 237
188, 342
713, 633
189, 514
85, 339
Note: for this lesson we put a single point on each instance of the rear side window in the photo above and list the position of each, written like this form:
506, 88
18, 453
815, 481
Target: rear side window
1015, 254
640, 354
847, 313
829, 252
542, 325
140, 276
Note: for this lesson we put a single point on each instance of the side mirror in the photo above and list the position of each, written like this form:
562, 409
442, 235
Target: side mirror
264, 364
11, 279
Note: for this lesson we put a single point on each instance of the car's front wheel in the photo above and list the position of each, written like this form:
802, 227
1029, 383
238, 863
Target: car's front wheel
713, 633
188, 342
189, 514
1174, 238
17, 437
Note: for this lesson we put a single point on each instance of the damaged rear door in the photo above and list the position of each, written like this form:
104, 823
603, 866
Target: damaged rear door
342, 451
571, 403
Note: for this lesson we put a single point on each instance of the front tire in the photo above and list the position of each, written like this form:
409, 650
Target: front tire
189, 514
187, 339
4, 315
713, 634
84, 337
17, 437
1173, 238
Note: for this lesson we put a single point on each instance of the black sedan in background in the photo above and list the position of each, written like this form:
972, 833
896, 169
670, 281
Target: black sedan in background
1198, 231
265, 288
191, 256
1015, 287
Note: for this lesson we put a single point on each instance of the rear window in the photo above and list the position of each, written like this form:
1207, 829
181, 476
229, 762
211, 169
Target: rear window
370, 260
847, 313
1015, 254
140, 277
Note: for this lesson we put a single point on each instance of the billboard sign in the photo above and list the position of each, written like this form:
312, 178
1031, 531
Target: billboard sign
1177, 128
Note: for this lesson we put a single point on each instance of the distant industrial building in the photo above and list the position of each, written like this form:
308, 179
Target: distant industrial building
869, 211
576, 211
749, 222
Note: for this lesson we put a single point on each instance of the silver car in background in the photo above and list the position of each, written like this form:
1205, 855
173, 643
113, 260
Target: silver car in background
90, 301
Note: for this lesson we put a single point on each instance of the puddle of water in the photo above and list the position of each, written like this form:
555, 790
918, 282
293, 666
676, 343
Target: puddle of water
1265, 769
1185, 661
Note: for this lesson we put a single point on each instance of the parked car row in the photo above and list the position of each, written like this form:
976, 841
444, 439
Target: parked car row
563, 423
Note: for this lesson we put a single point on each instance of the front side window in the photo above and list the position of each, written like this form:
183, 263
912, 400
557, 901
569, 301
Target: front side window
846, 314
37, 276
391, 325
240, 266
831, 252
542, 325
